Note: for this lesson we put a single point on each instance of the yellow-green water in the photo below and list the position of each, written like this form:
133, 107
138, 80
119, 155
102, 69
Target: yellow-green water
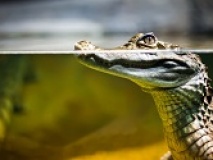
72, 112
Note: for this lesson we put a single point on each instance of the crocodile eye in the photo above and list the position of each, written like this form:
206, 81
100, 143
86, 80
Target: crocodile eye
148, 40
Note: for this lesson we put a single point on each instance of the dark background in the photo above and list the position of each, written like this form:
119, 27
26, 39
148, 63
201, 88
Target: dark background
55, 24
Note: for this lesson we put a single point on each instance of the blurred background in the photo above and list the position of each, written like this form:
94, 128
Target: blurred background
72, 112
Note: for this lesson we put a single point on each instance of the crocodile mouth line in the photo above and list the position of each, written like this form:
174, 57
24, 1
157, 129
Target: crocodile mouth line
140, 64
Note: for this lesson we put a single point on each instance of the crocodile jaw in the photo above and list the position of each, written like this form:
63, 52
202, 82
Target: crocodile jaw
143, 68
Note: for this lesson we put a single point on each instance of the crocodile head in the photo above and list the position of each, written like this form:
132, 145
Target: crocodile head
154, 65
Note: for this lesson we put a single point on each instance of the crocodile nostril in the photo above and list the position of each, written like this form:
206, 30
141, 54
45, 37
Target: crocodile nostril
77, 47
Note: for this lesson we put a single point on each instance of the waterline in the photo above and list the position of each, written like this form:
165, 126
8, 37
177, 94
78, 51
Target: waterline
195, 51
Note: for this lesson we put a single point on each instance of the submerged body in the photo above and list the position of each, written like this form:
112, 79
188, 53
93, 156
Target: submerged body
178, 82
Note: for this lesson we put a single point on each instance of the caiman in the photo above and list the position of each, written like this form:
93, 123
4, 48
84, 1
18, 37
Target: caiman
178, 82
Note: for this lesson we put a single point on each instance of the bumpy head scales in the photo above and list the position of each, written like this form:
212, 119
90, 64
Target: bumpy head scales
137, 42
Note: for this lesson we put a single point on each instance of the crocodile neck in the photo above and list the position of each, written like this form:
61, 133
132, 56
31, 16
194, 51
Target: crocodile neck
185, 114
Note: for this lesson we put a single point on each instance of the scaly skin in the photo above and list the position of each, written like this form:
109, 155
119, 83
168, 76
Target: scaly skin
13, 71
178, 82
